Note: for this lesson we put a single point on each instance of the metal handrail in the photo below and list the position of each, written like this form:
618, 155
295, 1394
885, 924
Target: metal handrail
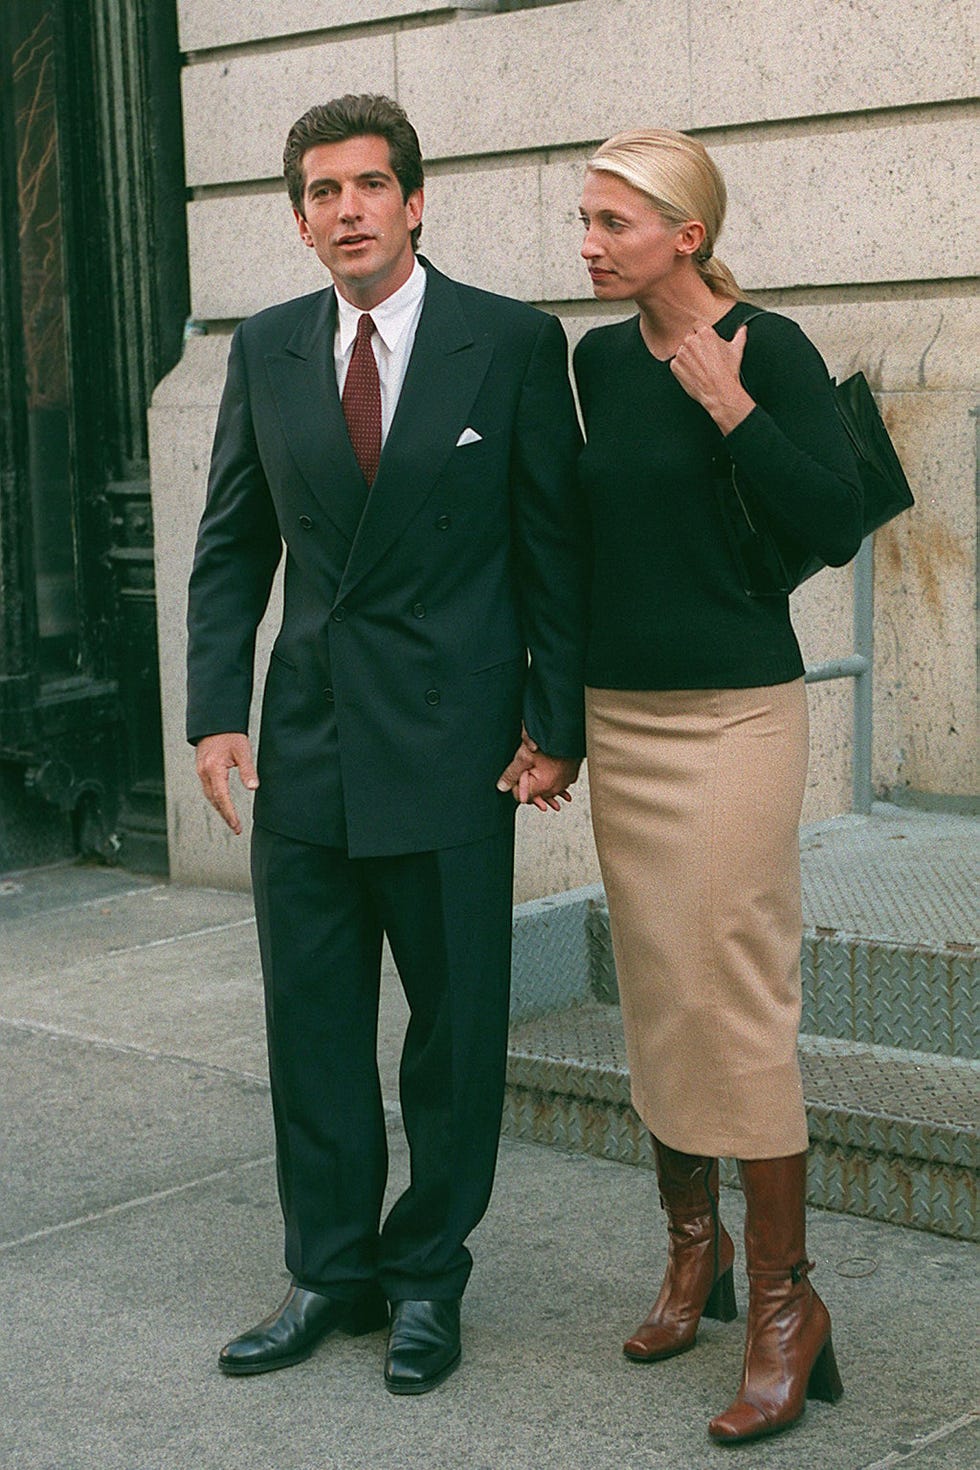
858, 666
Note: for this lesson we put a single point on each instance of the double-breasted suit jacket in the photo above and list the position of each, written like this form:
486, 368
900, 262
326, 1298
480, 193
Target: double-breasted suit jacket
422, 620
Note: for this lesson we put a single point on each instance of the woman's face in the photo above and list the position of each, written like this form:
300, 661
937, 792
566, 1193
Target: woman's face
628, 247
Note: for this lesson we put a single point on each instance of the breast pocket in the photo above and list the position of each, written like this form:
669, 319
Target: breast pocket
500, 660
480, 458
486, 440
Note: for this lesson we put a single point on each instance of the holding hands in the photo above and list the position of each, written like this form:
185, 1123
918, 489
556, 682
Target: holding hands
707, 368
534, 778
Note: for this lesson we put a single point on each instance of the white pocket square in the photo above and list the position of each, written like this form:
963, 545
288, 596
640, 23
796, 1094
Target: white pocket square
468, 436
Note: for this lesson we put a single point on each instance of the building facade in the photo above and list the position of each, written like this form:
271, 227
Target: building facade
848, 139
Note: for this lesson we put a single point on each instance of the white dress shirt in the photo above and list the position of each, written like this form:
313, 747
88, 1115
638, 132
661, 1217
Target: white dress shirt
395, 320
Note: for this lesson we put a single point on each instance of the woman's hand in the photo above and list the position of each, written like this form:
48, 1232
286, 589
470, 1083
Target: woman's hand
707, 368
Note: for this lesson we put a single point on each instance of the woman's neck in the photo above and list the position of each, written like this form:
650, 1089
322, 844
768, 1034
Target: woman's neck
666, 317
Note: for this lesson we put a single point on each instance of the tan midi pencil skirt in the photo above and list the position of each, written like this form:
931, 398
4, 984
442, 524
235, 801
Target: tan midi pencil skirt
696, 798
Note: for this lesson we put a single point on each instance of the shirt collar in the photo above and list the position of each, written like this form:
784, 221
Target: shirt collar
391, 317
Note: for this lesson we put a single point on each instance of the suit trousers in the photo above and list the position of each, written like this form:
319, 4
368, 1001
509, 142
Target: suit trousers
321, 917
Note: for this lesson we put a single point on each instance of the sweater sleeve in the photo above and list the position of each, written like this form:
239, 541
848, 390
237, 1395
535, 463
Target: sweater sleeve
792, 448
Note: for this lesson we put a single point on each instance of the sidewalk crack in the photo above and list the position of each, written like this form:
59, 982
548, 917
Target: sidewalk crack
909, 1451
125, 1206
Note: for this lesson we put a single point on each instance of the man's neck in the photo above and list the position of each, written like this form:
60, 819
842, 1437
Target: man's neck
366, 295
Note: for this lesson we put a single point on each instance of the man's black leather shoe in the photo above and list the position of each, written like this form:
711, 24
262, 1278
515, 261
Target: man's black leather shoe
292, 1331
423, 1345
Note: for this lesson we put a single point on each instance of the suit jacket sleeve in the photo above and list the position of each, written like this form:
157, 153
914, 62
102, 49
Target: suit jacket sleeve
551, 547
238, 550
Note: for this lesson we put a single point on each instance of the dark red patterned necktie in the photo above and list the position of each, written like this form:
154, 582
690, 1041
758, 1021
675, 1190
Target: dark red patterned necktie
362, 401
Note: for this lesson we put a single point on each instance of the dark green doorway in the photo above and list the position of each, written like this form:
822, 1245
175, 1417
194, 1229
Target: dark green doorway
93, 295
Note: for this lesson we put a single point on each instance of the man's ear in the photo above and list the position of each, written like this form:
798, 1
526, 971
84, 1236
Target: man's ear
304, 229
414, 205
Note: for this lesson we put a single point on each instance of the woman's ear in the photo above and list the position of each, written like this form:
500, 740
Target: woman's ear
690, 237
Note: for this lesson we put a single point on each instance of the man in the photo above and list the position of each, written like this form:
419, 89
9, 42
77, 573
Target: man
412, 442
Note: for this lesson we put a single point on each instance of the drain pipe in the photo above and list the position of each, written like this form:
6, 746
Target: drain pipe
864, 644
858, 666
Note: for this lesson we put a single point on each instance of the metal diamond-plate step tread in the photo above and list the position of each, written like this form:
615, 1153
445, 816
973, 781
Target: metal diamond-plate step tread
891, 994
868, 990
894, 1134
908, 877
889, 954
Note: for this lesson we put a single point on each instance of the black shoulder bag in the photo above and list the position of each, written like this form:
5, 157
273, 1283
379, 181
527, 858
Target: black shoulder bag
773, 565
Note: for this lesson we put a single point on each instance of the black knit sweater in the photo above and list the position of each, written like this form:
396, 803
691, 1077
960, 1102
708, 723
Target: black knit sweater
668, 607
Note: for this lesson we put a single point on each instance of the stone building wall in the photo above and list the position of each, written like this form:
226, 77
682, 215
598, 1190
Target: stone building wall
848, 140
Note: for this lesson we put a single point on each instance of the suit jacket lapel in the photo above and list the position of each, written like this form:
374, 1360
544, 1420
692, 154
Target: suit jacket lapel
304, 384
444, 376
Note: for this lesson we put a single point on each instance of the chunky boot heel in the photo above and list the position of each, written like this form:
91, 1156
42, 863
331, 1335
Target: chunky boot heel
721, 1305
698, 1281
789, 1357
824, 1381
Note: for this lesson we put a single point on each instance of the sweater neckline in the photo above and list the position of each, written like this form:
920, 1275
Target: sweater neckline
666, 361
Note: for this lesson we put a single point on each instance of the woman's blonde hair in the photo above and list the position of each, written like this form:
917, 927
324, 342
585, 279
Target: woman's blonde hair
682, 182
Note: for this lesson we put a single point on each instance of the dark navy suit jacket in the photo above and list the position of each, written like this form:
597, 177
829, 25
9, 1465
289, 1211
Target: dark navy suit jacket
423, 620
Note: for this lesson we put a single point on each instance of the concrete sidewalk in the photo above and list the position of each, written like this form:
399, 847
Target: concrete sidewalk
139, 1228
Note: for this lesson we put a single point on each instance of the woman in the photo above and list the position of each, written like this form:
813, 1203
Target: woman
697, 735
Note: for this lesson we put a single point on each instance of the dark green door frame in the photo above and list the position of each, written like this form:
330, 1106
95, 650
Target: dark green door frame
93, 254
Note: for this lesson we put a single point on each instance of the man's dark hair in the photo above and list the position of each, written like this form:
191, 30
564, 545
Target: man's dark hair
367, 115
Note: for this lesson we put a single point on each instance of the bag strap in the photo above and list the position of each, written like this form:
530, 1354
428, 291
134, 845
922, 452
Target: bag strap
744, 323
759, 311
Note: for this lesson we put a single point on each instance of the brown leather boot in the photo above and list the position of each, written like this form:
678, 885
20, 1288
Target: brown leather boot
698, 1281
789, 1356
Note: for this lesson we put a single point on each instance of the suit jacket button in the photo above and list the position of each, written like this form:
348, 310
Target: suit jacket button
306, 523
432, 696
444, 522
418, 611
339, 613
328, 694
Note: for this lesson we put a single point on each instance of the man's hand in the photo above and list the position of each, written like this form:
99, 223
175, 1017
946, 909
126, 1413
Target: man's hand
216, 754
534, 778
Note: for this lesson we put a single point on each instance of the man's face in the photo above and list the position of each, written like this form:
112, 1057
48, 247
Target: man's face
356, 220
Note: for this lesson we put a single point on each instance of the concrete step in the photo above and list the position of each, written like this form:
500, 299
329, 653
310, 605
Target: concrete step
893, 1133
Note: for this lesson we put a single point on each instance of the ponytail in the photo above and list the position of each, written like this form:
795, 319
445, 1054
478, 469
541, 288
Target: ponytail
718, 278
